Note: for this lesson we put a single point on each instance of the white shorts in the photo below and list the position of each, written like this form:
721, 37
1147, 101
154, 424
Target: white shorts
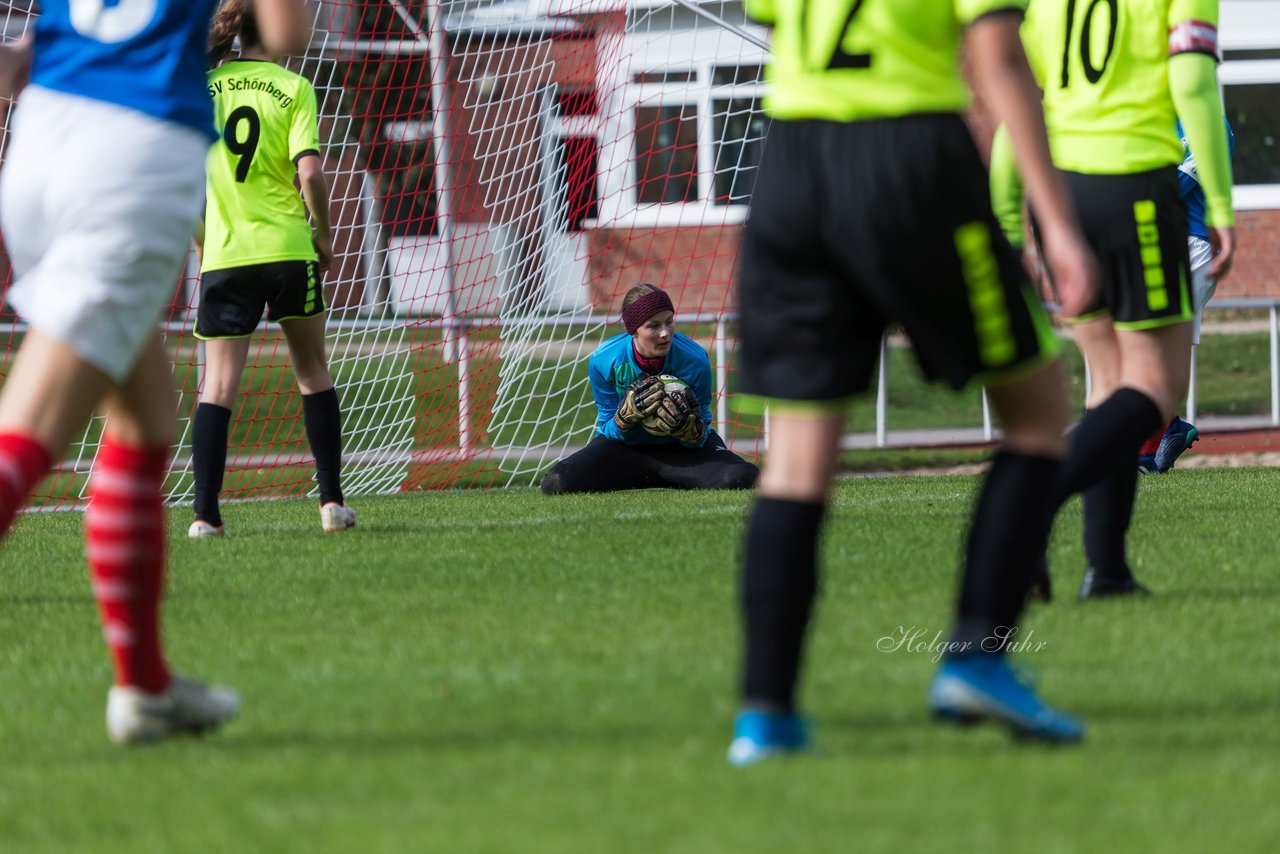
1202, 287
98, 204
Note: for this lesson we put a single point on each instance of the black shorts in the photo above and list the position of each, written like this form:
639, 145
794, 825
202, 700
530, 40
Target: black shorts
1137, 226
232, 300
857, 226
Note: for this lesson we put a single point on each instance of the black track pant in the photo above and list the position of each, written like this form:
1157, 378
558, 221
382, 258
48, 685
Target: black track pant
609, 466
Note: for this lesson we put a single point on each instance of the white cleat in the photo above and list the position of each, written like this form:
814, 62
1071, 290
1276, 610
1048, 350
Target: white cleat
200, 528
135, 717
337, 517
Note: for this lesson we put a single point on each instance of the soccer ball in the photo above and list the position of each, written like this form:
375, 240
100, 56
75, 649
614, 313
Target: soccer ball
669, 384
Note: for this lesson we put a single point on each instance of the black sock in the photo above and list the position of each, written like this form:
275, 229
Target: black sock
779, 583
1011, 522
323, 418
1107, 438
209, 458
1108, 509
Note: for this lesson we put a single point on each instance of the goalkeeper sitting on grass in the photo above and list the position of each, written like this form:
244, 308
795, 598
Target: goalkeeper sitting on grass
646, 435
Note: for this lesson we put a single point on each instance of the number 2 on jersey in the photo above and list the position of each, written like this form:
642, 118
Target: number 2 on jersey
247, 148
840, 58
1092, 73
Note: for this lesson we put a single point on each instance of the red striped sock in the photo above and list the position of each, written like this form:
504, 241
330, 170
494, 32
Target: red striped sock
23, 461
125, 536
1153, 441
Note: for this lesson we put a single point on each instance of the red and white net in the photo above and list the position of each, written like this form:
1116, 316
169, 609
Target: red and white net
501, 175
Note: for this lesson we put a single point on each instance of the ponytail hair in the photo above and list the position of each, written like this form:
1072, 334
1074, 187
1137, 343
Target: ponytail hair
233, 18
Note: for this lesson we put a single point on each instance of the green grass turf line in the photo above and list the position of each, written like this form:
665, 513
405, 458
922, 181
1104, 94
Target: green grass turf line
498, 671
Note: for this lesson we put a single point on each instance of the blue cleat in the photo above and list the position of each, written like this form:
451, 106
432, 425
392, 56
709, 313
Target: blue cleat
1178, 437
1147, 463
982, 686
761, 735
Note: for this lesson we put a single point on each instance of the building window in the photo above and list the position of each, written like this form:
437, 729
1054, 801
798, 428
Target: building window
698, 142
1260, 53
1254, 113
409, 198
576, 101
575, 197
666, 154
739, 141
573, 158
665, 77
683, 131
737, 75
1251, 96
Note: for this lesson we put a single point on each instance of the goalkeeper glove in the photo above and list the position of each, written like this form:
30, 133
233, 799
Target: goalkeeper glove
642, 397
691, 429
677, 416
668, 415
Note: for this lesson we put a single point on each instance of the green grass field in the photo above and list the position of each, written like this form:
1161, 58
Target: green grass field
497, 671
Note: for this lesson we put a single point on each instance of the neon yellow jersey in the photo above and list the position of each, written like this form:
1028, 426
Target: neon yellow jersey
266, 118
846, 60
1104, 67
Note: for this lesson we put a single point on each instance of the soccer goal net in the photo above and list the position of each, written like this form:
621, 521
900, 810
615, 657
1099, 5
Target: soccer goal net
501, 175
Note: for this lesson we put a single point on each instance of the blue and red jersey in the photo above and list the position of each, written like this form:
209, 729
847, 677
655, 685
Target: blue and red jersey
146, 55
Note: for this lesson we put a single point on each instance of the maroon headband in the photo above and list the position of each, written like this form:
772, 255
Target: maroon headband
634, 315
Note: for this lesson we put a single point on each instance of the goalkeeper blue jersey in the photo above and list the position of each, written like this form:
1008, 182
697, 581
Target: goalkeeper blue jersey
612, 367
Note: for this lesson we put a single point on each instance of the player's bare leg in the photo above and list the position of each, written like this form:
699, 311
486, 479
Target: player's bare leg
50, 392
1157, 362
224, 361
1100, 346
141, 411
322, 413
46, 401
803, 449
308, 352
125, 531
1032, 412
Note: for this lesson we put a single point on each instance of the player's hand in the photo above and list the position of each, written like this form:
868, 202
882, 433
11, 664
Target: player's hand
1034, 266
15, 67
1072, 269
669, 416
642, 399
691, 430
677, 416
323, 245
686, 398
1223, 241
